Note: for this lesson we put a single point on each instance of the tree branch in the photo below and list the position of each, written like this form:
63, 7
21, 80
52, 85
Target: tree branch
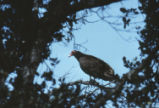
126, 76
94, 83
87, 4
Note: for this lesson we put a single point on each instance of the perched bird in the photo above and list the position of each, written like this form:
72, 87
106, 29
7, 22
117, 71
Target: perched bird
94, 66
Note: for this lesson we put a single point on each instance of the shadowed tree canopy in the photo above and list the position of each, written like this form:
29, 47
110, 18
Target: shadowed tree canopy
28, 27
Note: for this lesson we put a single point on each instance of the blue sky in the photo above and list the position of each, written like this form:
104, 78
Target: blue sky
102, 41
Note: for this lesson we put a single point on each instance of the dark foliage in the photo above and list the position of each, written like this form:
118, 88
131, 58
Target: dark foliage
25, 36
144, 84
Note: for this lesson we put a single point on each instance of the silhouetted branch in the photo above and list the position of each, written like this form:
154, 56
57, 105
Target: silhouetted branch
94, 83
126, 76
86, 4
144, 63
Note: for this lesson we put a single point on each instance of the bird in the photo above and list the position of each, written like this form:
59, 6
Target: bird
94, 66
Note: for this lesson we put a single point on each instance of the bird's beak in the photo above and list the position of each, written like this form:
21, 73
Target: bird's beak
70, 55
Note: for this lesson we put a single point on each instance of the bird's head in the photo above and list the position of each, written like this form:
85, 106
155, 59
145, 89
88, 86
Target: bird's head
73, 52
76, 54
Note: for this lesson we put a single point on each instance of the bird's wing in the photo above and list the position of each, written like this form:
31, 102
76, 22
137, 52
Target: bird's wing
96, 67
101, 65
90, 64
93, 64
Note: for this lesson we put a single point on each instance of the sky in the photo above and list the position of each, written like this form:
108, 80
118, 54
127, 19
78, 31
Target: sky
100, 40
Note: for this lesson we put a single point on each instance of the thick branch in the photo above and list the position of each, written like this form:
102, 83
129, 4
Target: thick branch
87, 4
78, 6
